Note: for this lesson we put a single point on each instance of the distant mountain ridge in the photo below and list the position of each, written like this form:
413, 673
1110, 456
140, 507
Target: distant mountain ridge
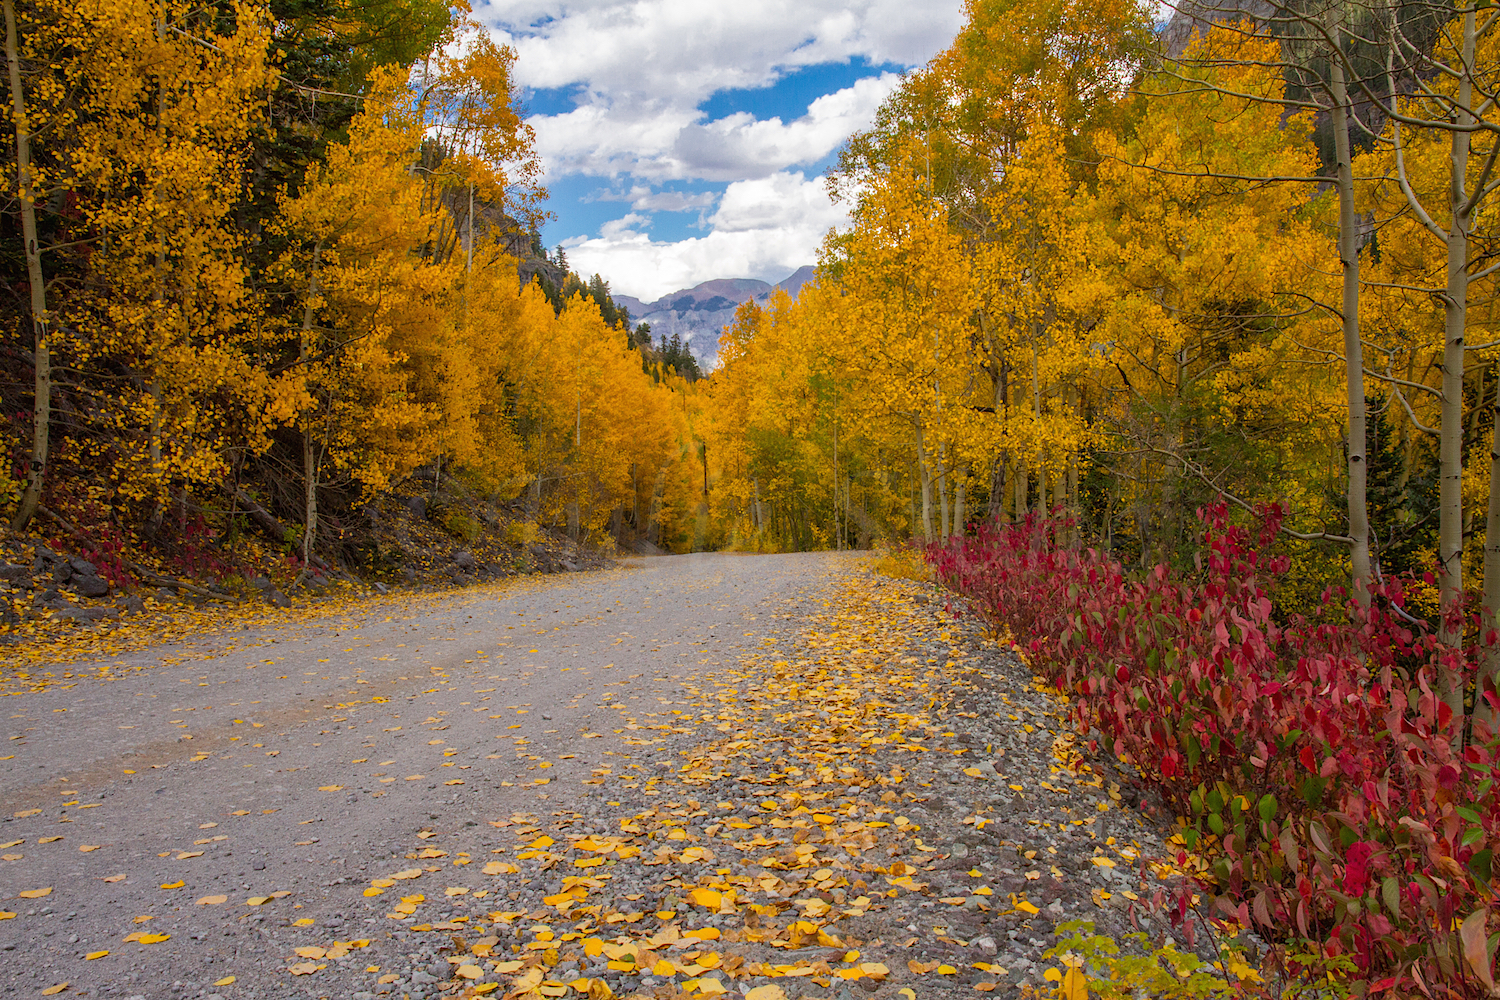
699, 314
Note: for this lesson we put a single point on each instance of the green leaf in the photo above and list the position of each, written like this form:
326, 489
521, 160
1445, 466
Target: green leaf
1480, 864
1267, 808
1390, 891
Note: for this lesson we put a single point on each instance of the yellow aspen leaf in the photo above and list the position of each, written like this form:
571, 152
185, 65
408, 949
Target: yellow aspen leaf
96, 954
212, 900
35, 893
226, 981
54, 990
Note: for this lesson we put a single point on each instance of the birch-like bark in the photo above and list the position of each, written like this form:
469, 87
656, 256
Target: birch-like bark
41, 412
958, 508
1359, 517
1455, 316
309, 453
1491, 619
945, 525
925, 474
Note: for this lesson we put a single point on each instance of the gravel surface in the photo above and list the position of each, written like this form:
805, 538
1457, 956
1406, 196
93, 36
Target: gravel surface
703, 775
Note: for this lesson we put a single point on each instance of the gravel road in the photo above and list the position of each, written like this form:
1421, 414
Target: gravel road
294, 766
747, 777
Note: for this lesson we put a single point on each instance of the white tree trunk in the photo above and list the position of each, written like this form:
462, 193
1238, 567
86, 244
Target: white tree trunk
41, 415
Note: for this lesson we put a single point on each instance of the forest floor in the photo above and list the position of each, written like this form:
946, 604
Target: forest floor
755, 776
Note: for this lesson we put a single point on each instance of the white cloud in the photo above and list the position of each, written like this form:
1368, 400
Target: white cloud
681, 51
644, 67
764, 228
641, 69
672, 201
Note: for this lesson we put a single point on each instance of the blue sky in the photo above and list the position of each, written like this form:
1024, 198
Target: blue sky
685, 141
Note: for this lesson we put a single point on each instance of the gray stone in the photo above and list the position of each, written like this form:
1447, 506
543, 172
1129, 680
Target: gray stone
260, 583
132, 604
62, 572
986, 945
381, 588
423, 978
90, 586
440, 970
12, 571
276, 597
82, 565
417, 505
464, 559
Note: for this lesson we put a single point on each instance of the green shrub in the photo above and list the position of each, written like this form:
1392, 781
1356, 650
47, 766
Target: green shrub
461, 526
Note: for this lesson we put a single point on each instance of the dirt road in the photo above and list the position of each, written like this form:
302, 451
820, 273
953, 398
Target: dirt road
293, 765
694, 776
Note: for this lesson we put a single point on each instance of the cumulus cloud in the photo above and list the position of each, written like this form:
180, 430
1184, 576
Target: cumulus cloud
764, 228
682, 51
641, 69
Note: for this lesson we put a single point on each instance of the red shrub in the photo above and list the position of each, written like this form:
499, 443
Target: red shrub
1338, 796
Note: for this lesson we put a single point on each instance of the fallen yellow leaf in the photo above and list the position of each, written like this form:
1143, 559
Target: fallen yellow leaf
212, 900
331, 788
226, 981
96, 954
86, 848
173, 885
34, 893
305, 968
768, 992
469, 972
53, 990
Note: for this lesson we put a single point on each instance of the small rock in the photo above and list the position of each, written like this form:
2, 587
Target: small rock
12, 571
62, 572
82, 565
90, 586
133, 604
276, 597
439, 969
986, 945
423, 978
417, 505
381, 588
464, 559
